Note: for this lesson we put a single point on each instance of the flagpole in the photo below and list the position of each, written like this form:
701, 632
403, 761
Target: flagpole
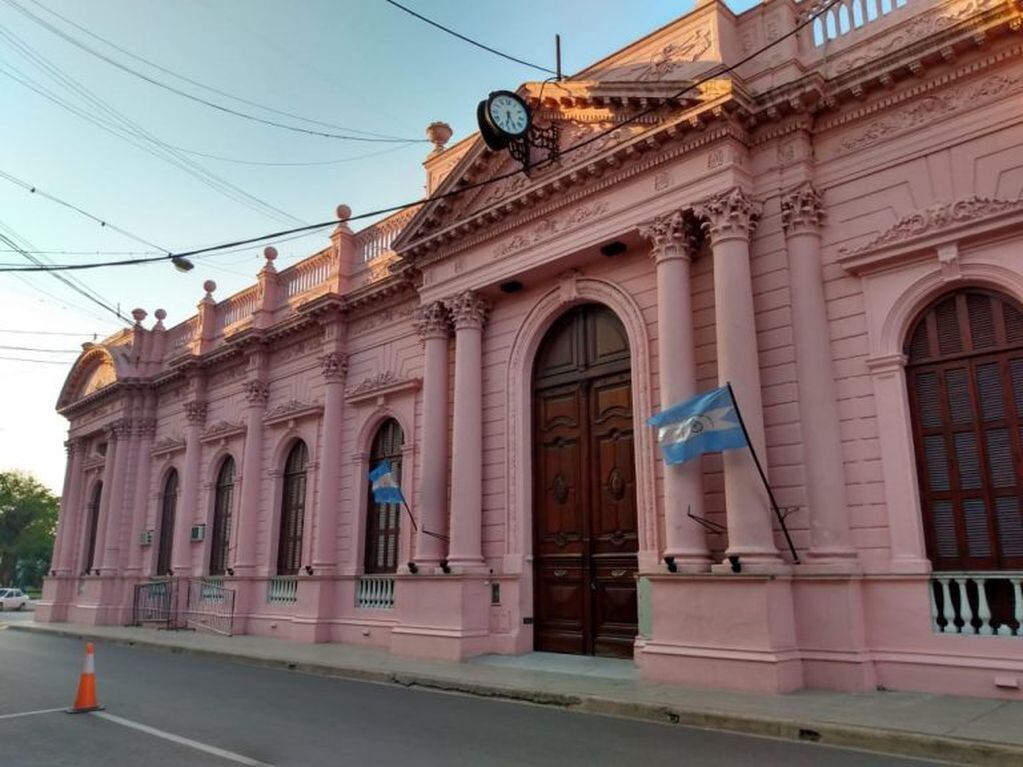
763, 476
415, 527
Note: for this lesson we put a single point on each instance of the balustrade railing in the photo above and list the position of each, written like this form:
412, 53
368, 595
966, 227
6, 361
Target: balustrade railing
376, 240
980, 603
847, 16
375, 592
306, 275
238, 307
282, 590
180, 336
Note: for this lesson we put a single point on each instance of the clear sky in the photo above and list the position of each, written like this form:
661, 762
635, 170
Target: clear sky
361, 64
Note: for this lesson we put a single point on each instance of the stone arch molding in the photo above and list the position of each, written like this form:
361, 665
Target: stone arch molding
572, 291
95, 369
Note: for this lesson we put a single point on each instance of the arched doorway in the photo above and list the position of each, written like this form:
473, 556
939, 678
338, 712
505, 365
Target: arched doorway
289, 546
383, 519
585, 534
168, 502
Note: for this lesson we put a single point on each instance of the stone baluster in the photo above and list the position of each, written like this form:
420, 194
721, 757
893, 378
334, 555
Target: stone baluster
434, 327
334, 366
965, 610
113, 495
947, 608
672, 251
830, 539
730, 218
983, 609
468, 312
1017, 601
257, 392
188, 500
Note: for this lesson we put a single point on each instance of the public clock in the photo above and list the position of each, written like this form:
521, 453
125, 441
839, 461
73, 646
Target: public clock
503, 117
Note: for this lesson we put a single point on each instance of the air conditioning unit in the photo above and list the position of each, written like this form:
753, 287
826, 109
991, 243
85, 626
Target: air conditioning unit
146, 538
198, 532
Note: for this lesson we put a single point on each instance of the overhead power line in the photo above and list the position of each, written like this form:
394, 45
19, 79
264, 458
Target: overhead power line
469, 40
715, 73
192, 97
35, 349
19, 331
40, 362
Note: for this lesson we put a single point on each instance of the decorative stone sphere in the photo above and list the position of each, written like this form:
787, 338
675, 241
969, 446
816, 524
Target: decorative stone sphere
269, 252
138, 314
209, 286
439, 133
160, 314
343, 212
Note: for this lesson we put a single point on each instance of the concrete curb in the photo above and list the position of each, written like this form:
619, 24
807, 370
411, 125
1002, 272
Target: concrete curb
892, 742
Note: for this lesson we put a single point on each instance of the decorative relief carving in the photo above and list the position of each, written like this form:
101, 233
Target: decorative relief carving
295, 350
931, 108
786, 153
662, 181
468, 310
675, 55
671, 237
716, 158
119, 429
560, 488
256, 392
381, 318
432, 321
221, 427
168, 445
291, 407
568, 287
228, 375
936, 218
943, 17
801, 209
381, 380
730, 213
195, 412
550, 227
334, 366
145, 427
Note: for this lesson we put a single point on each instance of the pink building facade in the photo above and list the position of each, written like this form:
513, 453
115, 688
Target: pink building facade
835, 227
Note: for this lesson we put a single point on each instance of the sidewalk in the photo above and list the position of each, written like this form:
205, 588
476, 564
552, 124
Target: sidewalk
942, 727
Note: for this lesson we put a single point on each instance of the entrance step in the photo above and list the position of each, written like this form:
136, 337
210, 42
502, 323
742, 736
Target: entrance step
559, 663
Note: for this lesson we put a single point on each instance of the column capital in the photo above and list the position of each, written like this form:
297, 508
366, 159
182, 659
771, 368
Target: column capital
671, 236
256, 392
145, 427
468, 310
729, 214
432, 321
195, 412
802, 209
334, 366
119, 429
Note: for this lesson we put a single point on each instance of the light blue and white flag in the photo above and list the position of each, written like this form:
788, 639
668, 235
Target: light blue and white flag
385, 487
707, 423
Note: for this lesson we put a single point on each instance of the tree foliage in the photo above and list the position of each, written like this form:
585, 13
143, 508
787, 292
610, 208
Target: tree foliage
28, 524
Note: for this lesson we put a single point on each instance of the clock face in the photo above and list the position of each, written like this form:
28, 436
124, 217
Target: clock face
508, 114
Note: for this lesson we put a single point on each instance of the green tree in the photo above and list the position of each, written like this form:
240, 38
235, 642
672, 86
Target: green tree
28, 524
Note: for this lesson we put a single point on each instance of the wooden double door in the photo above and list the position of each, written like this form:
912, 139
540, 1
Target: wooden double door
584, 522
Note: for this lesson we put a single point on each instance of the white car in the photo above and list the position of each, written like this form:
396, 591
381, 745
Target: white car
12, 599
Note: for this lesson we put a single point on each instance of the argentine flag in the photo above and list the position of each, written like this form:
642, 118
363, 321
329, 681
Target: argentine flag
707, 423
385, 488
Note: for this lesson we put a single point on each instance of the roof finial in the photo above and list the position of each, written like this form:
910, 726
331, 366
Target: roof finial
439, 133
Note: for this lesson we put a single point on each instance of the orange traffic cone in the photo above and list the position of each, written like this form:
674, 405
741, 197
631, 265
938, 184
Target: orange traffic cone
85, 700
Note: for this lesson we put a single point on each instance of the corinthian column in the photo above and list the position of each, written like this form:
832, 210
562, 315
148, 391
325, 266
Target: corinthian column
672, 251
729, 221
184, 514
434, 327
334, 366
256, 395
468, 311
113, 492
830, 542
145, 429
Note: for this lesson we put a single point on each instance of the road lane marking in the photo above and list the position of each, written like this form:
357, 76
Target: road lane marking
230, 755
30, 713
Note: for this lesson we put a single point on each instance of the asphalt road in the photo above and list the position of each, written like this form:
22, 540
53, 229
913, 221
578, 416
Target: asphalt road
257, 715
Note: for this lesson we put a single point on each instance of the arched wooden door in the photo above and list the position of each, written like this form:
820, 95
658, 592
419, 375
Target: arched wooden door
584, 518
168, 503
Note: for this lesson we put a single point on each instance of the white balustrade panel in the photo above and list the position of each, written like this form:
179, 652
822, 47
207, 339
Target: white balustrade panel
848, 16
375, 592
979, 603
282, 590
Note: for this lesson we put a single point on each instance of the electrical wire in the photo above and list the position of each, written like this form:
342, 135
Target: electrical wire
463, 38
339, 161
19, 331
191, 97
715, 73
41, 362
35, 349
199, 84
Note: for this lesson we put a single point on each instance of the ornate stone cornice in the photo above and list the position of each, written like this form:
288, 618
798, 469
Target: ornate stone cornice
195, 412
432, 320
334, 366
292, 410
729, 214
380, 385
222, 430
671, 237
256, 392
801, 209
167, 445
468, 310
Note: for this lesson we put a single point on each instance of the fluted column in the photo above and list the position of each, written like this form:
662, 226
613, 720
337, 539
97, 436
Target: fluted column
671, 250
184, 514
145, 429
830, 541
334, 366
729, 221
468, 311
70, 501
434, 327
114, 495
256, 395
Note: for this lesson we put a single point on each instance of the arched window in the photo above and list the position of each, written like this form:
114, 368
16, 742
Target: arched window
223, 498
289, 549
168, 502
965, 378
93, 522
382, 523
